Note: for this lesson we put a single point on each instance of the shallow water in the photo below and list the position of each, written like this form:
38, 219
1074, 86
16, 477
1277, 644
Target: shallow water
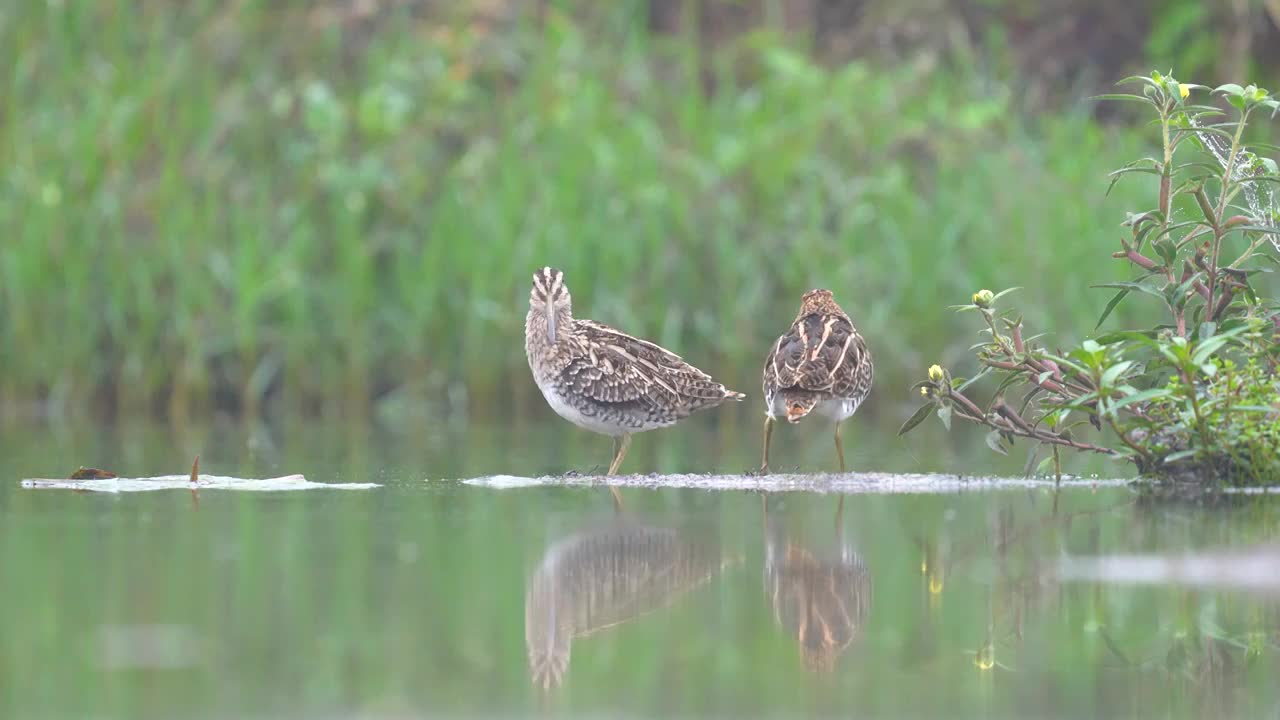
470, 584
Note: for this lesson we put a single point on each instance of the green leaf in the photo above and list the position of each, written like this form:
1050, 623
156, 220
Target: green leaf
1110, 374
1045, 467
1123, 97
1207, 348
1177, 296
1229, 89
981, 373
1141, 397
1135, 286
1111, 338
1111, 305
944, 414
1180, 455
916, 418
1207, 329
1002, 293
994, 441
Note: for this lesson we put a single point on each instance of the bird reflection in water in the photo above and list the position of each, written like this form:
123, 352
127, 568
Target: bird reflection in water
605, 576
819, 597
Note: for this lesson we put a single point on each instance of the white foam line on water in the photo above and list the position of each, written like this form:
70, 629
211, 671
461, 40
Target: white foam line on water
183, 482
846, 483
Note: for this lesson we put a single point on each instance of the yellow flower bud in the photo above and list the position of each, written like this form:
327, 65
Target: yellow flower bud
983, 298
924, 391
1184, 89
935, 372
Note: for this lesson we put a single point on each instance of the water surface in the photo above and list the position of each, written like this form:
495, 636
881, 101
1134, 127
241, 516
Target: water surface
429, 596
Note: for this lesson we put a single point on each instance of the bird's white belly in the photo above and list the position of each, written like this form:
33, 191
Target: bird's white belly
837, 408
594, 423
604, 422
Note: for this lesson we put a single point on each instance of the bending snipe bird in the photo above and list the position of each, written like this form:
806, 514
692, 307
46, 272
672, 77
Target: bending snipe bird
605, 380
821, 363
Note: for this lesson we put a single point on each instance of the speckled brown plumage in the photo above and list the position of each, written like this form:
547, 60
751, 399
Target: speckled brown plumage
822, 363
604, 380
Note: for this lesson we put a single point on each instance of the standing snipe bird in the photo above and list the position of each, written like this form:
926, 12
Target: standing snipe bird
820, 363
605, 380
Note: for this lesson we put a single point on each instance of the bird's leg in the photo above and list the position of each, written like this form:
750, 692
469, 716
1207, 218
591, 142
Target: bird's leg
620, 446
839, 448
768, 435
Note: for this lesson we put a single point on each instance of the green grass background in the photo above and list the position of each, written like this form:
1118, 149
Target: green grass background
240, 206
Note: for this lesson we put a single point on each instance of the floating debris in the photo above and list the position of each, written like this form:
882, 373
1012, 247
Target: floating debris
188, 482
84, 473
845, 483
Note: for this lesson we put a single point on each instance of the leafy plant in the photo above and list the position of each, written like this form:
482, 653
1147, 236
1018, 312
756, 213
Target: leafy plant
1197, 396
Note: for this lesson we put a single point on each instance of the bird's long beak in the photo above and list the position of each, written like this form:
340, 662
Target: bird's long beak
551, 321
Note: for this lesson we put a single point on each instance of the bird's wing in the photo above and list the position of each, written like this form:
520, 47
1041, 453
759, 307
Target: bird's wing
609, 365
820, 353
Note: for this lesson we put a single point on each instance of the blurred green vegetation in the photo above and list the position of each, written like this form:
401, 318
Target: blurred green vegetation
336, 207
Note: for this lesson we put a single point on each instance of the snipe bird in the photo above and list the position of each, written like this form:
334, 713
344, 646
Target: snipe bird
821, 363
605, 380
